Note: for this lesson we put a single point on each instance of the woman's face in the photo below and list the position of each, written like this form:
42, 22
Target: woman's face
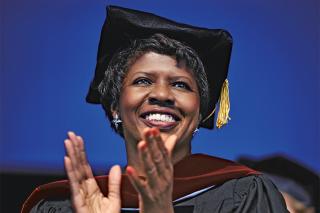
158, 93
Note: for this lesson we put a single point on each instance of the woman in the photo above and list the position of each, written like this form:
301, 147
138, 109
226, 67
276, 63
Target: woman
158, 81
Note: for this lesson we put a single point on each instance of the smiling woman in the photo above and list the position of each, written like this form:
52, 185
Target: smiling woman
157, 93
158, 81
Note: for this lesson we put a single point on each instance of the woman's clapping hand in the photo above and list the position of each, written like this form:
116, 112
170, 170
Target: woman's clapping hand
155, 190
86, 195
154, 186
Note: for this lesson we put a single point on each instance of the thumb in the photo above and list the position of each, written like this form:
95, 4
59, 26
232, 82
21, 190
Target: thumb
114, 183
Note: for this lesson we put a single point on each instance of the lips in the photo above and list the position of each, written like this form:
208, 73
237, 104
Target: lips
162, 119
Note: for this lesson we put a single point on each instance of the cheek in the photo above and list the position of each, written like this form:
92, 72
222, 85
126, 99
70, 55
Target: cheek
129, 105
130, 100
189, 103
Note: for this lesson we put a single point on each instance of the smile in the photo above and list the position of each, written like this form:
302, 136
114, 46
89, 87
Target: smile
161, 120
160, 117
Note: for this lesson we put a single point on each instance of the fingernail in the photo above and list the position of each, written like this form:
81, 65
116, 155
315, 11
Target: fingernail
155, 131
142, 146
149, 133
130, 170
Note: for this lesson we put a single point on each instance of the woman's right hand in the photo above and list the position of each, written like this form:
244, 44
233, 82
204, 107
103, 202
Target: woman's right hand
155, 190
86, 195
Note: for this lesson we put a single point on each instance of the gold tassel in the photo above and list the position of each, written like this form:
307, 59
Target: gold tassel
224, 107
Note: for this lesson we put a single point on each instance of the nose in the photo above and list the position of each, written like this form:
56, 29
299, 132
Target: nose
161, 95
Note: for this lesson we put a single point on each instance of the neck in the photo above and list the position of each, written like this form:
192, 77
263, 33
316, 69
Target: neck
180, 151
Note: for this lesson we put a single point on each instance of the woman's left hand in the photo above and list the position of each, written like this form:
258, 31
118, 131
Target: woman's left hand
85, 192
155, 190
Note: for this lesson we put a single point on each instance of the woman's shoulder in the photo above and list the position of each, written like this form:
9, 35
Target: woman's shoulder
253, 193
256, 193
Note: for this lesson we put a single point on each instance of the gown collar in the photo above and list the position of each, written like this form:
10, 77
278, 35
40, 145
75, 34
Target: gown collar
193, 173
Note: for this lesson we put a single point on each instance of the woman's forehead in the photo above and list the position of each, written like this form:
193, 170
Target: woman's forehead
158, 64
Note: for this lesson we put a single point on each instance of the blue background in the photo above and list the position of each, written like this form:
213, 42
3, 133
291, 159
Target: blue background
48, 56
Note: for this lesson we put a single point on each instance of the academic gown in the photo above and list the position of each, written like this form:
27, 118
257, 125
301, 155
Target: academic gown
201, 184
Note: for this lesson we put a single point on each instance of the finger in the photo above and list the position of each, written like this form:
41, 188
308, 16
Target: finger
77, 151
83, 159
71, 153
156, 153
114, 184
74, 183
79, 171
166, 160
71, 149
71, 175
80, 187
74, 142
137, 182
160, 142
149, 167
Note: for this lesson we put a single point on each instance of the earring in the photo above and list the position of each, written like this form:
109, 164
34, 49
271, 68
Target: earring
116, 121
195, 131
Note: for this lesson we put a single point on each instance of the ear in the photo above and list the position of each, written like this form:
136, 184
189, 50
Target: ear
114, 111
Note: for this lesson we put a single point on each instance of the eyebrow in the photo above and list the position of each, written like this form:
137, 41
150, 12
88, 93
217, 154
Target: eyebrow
148, 73
171, 77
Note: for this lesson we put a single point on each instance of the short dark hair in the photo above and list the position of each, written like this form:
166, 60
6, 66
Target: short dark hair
110, 86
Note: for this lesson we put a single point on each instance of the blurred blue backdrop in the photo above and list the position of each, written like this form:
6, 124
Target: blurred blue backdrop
48, 58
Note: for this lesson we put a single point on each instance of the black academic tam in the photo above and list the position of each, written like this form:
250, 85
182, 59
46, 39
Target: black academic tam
123, 26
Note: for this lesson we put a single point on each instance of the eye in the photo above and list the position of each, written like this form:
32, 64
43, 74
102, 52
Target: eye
182, 85
142, 81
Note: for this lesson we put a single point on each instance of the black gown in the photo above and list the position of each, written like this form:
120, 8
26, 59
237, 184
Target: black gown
248, 192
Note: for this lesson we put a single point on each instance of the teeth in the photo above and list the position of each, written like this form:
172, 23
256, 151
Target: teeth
160, 117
